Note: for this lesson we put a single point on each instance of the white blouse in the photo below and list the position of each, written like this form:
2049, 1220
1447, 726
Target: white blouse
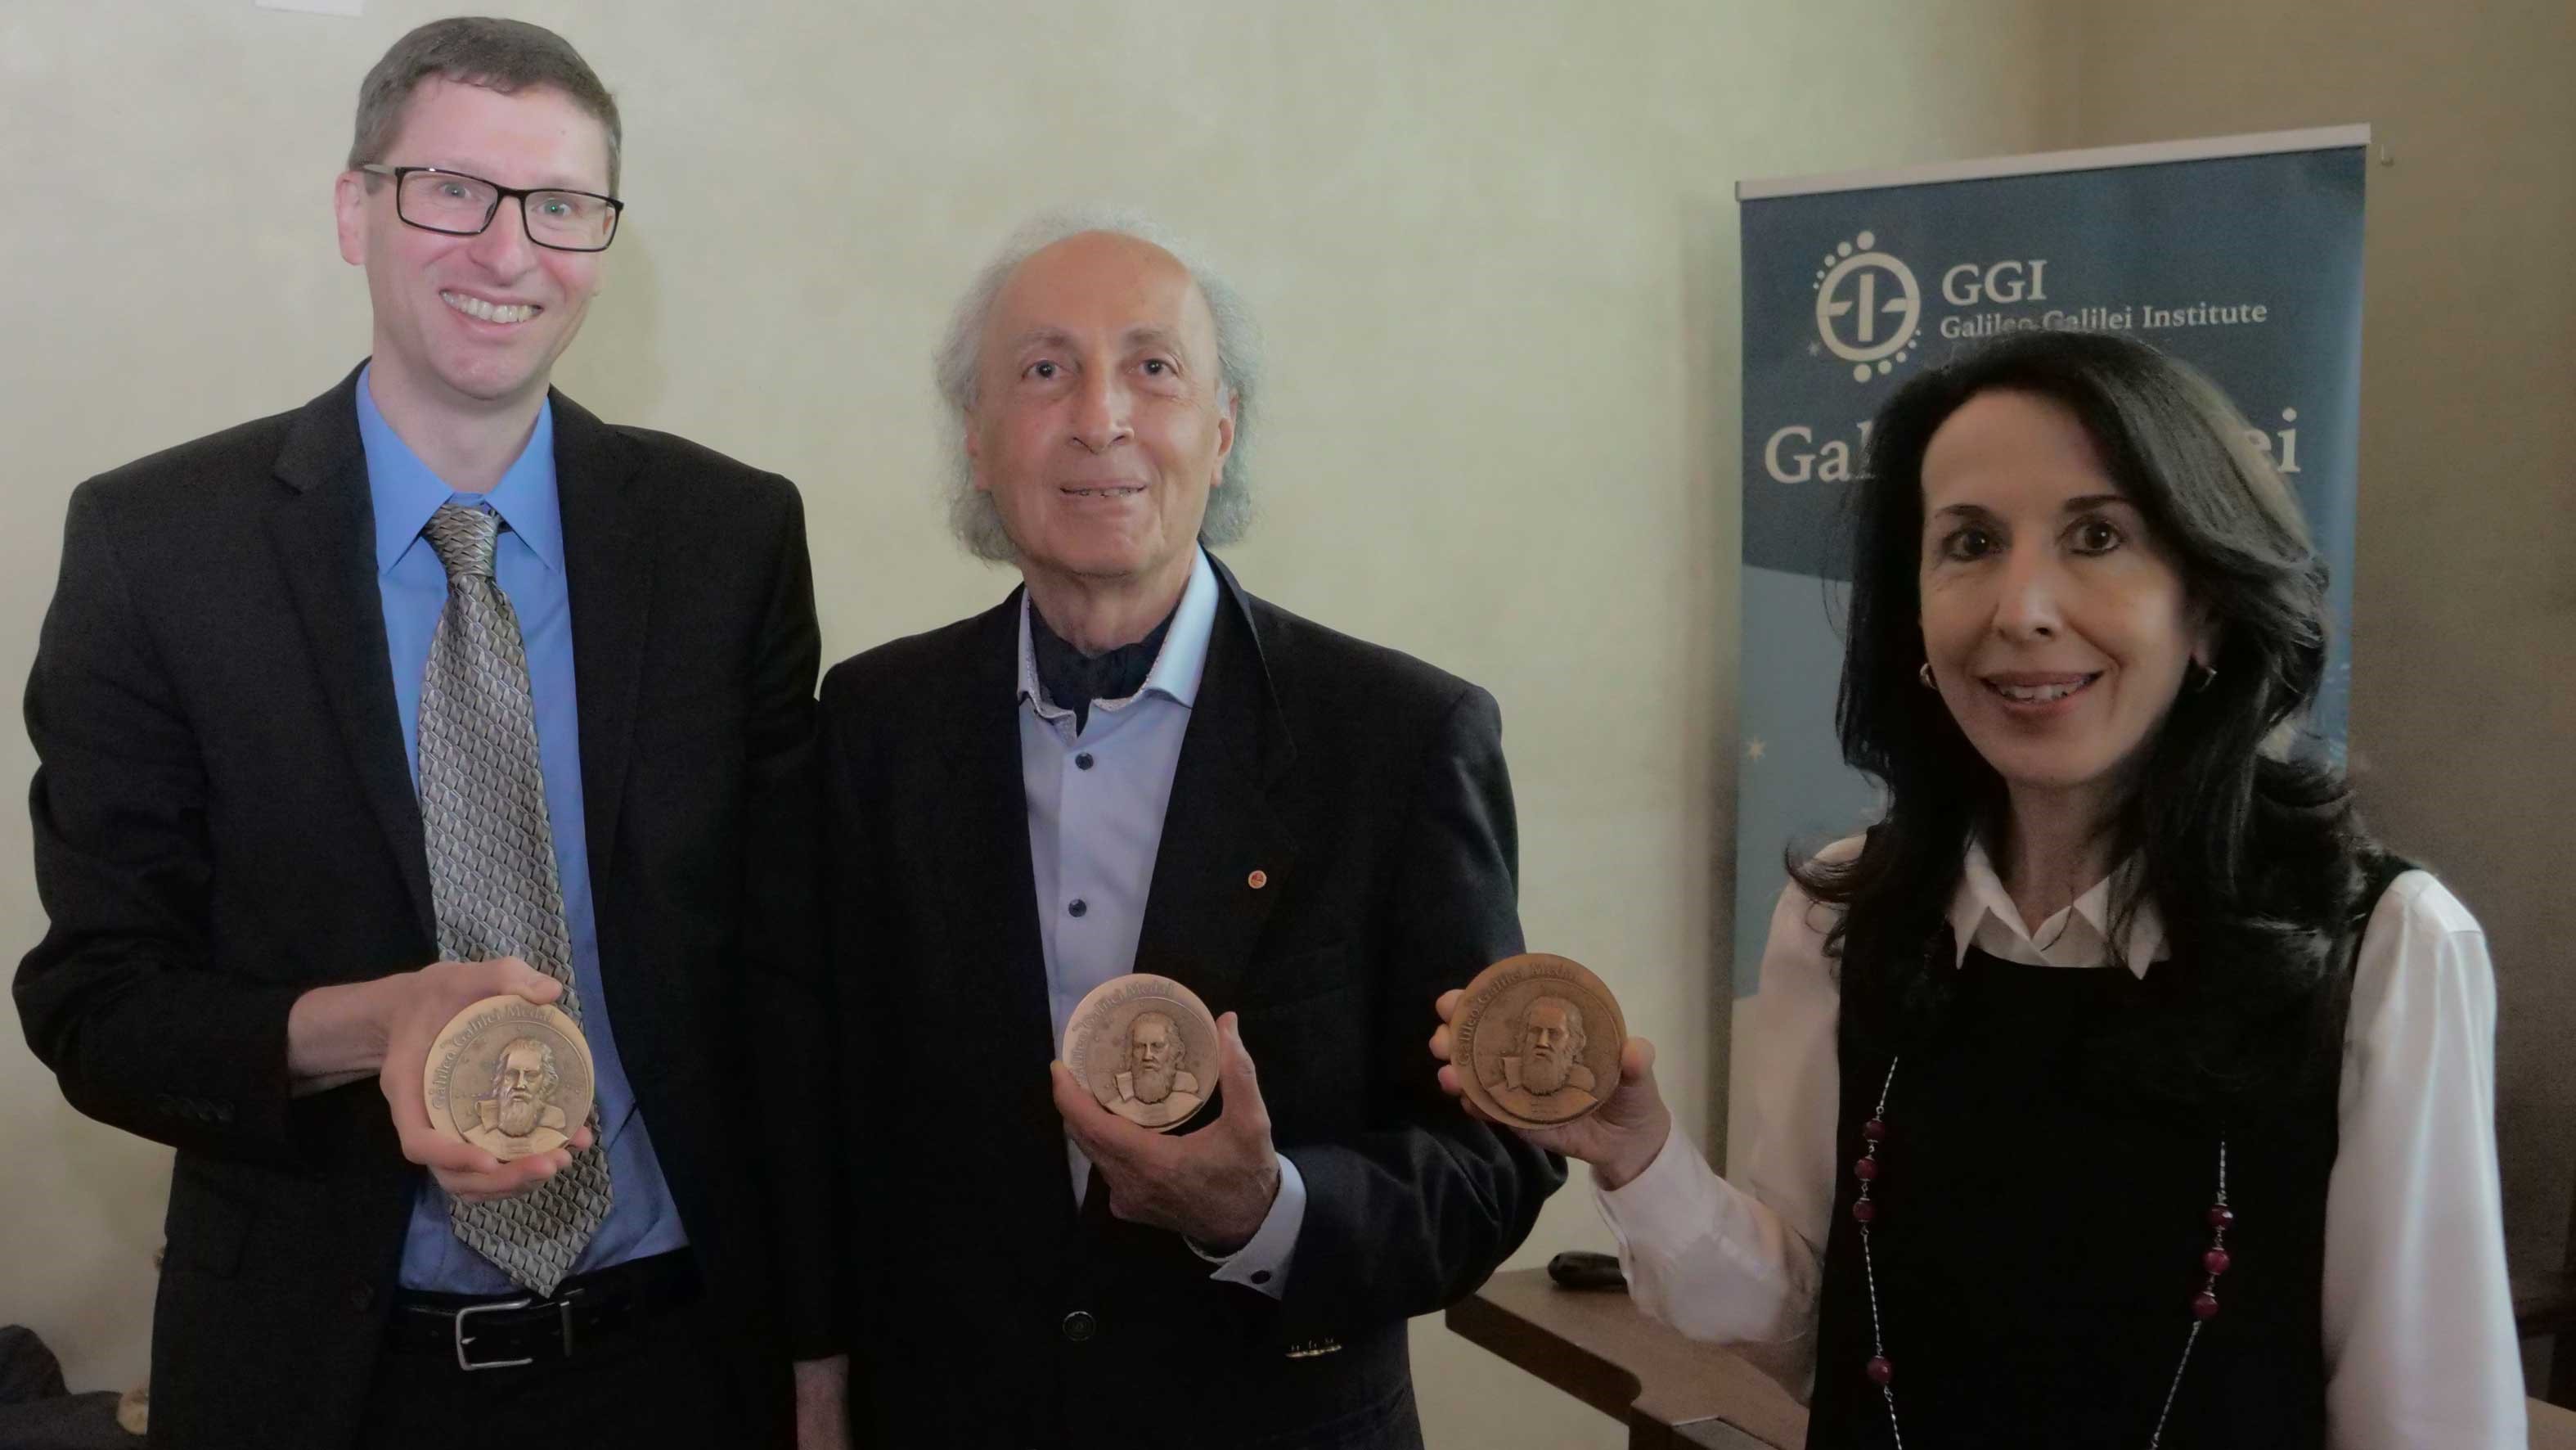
2418, 1321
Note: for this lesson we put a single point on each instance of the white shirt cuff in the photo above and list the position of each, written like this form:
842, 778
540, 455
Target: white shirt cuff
1669, 1203
1262, 1263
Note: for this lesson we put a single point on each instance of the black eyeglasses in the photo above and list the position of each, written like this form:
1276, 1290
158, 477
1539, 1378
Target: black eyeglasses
463, 206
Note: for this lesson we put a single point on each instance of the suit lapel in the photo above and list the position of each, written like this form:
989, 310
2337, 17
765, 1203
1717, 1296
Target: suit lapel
992, 925
993, 917
608, 567
1203, 915
324, 533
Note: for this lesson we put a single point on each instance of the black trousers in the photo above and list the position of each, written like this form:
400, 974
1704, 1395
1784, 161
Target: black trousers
658, 1383
1393, 1423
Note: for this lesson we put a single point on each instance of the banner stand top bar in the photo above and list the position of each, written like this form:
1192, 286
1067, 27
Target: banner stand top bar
2264, 143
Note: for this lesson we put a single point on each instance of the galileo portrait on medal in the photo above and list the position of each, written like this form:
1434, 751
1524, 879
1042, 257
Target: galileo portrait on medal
521, 1100
1549, 1065
1156, 1087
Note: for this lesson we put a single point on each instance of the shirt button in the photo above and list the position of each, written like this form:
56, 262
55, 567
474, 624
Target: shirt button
1082, 761
1079, 1325
1261, 1276
1078, 907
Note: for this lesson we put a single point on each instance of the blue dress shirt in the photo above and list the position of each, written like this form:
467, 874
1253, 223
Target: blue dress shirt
1096, 799
529, 562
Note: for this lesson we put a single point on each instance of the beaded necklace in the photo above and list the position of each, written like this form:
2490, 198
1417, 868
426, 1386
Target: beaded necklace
1882, 1371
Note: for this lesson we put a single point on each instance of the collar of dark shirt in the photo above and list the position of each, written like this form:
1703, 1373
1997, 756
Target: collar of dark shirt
1073, 680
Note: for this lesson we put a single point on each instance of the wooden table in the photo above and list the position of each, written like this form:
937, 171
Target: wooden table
1672, 1393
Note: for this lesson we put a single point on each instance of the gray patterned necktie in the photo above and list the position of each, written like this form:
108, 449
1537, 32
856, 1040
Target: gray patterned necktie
492, 865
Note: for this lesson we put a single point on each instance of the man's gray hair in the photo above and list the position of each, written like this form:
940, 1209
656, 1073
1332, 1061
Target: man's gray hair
971, 512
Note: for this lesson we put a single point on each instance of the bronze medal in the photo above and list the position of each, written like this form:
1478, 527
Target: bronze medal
510, 1077
1536, 1041
1146, 1046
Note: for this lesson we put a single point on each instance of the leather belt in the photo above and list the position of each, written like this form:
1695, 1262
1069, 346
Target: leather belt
506, 1332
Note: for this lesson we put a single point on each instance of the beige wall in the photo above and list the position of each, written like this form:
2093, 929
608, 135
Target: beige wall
1494, 244
2464, 583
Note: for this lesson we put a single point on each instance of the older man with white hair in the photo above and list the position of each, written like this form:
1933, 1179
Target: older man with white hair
1131, 764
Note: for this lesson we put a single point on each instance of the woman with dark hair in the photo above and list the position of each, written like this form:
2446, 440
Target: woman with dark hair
2233, 1187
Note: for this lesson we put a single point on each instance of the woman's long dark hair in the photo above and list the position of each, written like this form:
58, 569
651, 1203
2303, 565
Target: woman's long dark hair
2251, 852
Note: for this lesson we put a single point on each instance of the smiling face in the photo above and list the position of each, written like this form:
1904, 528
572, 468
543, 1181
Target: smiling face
2057, 628
1100, 422
475, 322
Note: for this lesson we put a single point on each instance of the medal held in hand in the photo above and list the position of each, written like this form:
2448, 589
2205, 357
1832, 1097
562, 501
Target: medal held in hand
510, 1077
1146, 1046
1536, 1041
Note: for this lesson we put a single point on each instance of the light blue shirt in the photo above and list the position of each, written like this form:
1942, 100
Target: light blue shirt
1096, 801
529, 562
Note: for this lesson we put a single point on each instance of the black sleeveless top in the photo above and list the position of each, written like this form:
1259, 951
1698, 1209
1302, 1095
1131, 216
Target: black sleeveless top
2039, 1234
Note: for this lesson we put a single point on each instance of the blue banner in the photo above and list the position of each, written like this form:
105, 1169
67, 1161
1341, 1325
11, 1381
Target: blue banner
2241, 256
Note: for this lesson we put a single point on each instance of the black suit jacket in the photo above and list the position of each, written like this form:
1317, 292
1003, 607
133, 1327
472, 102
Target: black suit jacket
1370, 790
224, 819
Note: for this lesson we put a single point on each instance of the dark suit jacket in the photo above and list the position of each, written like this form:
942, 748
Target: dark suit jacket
1370, 789
224, 819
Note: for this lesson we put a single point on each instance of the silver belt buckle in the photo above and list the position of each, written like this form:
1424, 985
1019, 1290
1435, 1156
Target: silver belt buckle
467, 1362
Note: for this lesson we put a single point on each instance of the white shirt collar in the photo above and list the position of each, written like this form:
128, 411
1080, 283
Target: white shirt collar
1178, 665
2079, 935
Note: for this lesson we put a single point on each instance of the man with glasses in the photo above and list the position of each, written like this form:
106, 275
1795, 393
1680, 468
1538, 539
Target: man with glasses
435, 689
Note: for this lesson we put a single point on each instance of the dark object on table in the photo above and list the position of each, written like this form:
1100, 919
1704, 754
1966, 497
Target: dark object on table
1584, 1269
35, 1413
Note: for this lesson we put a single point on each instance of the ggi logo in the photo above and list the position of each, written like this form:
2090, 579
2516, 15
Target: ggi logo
1867, 306
1968, 284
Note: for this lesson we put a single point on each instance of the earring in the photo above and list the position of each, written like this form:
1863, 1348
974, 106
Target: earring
2208, 673
1923, 672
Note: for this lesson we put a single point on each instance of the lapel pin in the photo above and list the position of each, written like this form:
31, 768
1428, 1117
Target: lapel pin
1257, 880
